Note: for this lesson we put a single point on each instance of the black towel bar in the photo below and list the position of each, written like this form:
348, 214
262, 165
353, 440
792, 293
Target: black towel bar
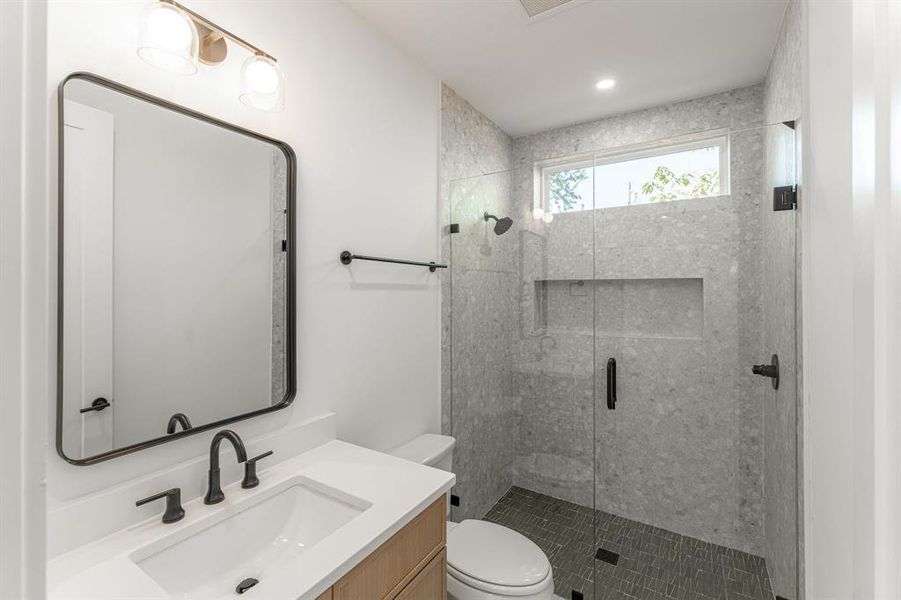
347, 257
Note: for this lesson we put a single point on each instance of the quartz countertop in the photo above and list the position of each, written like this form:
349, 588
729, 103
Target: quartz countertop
393, 490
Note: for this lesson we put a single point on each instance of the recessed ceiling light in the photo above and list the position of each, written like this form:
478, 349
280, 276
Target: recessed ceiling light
605, 84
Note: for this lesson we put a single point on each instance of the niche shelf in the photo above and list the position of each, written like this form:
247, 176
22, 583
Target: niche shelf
670, 308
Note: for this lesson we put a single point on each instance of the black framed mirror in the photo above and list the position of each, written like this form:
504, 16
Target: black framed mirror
176, 288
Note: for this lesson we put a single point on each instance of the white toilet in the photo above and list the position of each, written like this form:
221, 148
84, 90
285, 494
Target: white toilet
485, 561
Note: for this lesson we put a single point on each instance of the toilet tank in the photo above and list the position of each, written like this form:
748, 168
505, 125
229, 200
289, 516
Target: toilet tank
429, 449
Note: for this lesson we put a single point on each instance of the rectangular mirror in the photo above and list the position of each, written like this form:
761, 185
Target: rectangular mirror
176, 272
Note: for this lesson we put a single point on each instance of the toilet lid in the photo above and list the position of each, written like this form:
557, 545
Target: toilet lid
495, 554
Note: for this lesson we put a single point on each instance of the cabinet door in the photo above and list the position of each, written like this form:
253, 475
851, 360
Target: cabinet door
387, 570
431, 583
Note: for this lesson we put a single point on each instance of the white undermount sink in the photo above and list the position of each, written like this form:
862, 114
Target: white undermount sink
209, 561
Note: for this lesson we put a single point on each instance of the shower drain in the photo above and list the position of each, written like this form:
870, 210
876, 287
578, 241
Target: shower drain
608, 556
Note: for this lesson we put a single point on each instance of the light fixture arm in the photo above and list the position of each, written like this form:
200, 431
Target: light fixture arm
219, 31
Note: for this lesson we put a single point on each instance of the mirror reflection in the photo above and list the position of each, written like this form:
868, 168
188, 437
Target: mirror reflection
174, 283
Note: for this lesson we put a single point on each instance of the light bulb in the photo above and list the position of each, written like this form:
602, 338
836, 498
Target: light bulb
538, 213
168, 39
262, 84
262, 77
605, 84
548, 217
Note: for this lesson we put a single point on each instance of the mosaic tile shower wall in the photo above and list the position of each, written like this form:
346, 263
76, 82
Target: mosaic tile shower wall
675, 291
279, 168
478, 304
684, 448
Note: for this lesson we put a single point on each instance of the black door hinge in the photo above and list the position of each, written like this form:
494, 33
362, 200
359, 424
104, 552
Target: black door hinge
785, 197
284, 245
454, 228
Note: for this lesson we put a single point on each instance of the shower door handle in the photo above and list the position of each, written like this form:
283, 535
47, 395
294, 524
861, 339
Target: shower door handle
611, 384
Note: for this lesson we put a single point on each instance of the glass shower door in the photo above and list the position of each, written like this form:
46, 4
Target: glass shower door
521, 370
686, 301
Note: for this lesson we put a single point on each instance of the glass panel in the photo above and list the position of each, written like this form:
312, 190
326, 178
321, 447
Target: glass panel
569, 189
689, 295
522, 393
659, 178
602, 395
779, 255
663, 173
484, 413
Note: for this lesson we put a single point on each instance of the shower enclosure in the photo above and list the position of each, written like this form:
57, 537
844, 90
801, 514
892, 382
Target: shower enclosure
600, 352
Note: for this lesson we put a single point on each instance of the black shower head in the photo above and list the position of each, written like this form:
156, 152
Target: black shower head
502, 225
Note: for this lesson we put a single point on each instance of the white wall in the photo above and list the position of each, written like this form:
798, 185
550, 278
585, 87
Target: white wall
363, 120
24, 312
851, 219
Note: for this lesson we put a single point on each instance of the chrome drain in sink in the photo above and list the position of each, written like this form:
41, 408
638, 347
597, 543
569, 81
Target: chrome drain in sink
246, 584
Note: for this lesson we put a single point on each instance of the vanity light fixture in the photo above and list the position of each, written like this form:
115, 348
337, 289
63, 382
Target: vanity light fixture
262, 84
168, 39
175, 38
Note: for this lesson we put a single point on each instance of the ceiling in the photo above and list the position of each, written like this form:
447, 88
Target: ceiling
533, 74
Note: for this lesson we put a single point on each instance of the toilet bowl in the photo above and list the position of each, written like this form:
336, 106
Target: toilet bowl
485, 561
489, 561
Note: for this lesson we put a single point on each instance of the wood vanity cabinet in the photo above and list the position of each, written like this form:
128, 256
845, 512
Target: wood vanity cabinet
412, 565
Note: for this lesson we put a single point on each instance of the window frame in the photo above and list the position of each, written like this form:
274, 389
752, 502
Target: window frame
719, 139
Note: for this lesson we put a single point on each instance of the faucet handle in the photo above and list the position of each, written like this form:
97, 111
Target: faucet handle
250, 471
174, 511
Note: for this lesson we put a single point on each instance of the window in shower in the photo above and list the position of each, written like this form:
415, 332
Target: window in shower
662, 173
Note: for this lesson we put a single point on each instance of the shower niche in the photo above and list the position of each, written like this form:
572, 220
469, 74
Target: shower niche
643, 308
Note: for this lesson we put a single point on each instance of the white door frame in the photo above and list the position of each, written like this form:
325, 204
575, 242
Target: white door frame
87, 265
25, 306
851, 299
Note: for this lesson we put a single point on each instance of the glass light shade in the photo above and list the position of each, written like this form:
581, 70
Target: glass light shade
168, 39
262, 84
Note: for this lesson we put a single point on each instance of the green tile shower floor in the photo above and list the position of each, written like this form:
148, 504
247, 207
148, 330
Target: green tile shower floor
654, 564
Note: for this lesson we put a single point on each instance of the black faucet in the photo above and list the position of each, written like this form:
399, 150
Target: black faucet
174, 511
250, 471
214, 494
176, 420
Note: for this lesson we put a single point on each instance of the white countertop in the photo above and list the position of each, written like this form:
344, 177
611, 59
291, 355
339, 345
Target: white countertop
395, 489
